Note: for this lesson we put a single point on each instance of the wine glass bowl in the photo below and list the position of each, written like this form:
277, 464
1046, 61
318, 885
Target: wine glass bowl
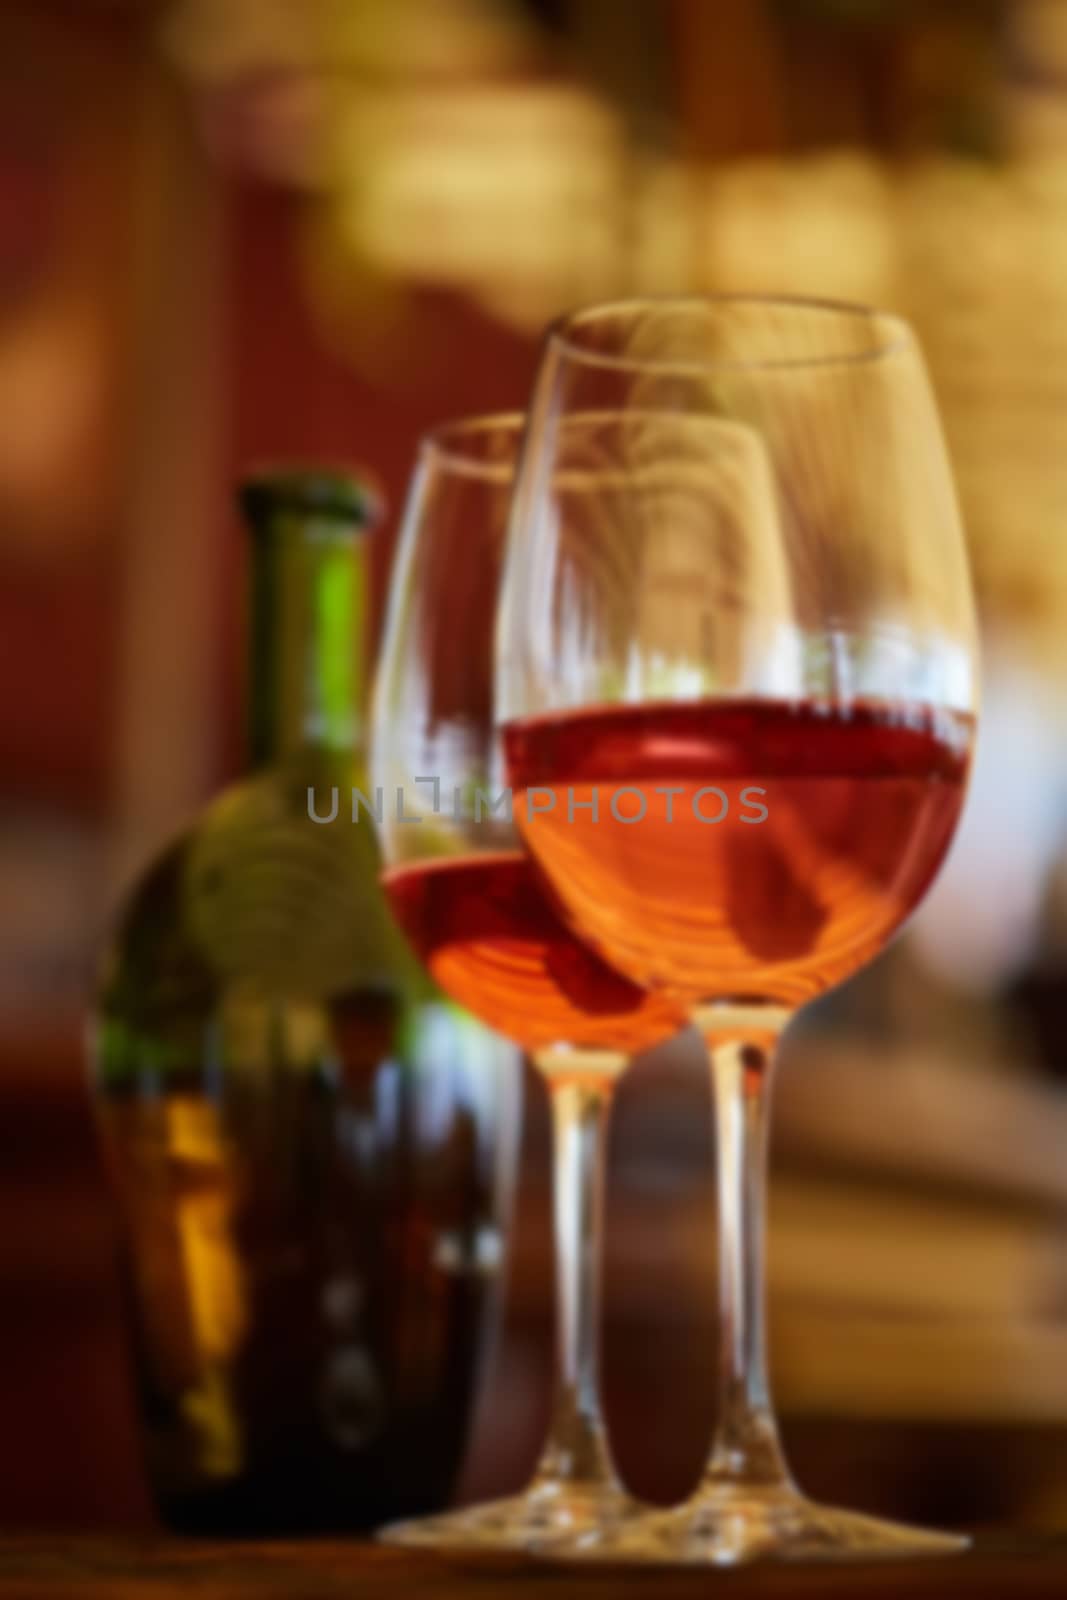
463, 889
737, 685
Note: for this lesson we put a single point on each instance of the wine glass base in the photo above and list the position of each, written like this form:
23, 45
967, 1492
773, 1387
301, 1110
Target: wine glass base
560, 1517
733, 1526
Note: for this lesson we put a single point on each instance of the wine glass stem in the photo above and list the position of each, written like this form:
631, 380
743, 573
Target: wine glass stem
746, 1449
576, 1449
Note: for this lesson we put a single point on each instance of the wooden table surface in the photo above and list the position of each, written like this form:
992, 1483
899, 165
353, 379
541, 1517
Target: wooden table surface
88, 1569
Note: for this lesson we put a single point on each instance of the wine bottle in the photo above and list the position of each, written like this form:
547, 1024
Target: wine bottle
303, 1135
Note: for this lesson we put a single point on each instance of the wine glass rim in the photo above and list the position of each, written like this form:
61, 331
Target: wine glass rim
446, 443
896, 339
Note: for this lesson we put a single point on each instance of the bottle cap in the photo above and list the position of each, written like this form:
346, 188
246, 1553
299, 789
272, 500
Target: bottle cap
348, 496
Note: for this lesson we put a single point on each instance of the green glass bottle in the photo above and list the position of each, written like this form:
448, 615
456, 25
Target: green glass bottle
304, 1137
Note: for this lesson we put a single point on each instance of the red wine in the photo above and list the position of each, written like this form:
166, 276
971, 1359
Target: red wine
797, 838
491, 937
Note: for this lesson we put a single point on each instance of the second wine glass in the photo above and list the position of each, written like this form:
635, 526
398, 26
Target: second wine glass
477, 912
742, 725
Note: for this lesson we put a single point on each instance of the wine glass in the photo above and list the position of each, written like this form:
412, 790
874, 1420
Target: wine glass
475, 909
773, 722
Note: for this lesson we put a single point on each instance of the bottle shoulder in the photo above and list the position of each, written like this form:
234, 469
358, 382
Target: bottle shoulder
257, 893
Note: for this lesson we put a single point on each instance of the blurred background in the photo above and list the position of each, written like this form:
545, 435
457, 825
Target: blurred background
236, 230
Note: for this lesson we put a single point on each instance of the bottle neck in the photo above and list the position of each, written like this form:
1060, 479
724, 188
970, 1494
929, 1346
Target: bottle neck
308, 603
